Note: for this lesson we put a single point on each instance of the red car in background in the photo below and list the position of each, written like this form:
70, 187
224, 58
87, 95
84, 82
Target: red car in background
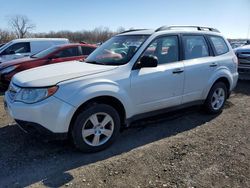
54, 54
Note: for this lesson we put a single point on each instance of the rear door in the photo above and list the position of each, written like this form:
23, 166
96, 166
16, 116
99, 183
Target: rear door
199, 66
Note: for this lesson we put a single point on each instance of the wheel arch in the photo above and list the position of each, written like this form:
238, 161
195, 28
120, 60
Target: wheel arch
109, 100
223, 79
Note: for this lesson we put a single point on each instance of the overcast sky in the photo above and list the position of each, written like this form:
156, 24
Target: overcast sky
231, 17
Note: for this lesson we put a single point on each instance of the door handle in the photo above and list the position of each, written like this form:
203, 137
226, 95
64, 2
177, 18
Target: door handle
178, 71
213, 65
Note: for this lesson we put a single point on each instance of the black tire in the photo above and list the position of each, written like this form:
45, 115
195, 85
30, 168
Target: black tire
208, 103
83, 118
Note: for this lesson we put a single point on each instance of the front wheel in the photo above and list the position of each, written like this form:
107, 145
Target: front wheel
216, 98
96, 128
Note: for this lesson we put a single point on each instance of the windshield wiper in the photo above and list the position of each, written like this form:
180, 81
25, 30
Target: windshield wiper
95, 62
33, 56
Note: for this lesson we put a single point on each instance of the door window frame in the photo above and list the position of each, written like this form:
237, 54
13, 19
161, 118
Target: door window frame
210, 50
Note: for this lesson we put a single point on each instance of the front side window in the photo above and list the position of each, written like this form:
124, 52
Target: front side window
165, 49
219, 44
68, 52
22, 47
195, 47
117, 51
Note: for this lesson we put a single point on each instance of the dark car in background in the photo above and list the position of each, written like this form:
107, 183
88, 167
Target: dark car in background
54, 54
243, 54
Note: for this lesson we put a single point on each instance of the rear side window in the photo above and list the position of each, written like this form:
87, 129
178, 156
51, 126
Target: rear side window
69, 52
87, 50
219, 45
195, 46
21, 47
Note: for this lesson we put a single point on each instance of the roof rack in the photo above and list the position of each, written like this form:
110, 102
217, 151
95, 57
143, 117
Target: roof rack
131, 30
199, 28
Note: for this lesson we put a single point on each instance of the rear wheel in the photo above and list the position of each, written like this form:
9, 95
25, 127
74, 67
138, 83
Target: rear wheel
216, 98
96, 128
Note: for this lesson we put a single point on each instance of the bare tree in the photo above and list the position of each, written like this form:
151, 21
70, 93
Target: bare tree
21, 25
6, 36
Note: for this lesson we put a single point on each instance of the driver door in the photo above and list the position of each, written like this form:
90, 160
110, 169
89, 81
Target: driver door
159, 87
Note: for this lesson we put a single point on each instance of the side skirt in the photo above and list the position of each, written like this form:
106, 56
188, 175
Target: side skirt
161, 111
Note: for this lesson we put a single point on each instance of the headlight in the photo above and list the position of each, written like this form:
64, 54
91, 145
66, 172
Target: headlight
33, 95
8, 69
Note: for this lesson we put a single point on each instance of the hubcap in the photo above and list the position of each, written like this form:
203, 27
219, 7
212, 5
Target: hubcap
98, 129
218, 98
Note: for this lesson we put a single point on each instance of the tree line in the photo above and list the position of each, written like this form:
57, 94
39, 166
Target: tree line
22, 27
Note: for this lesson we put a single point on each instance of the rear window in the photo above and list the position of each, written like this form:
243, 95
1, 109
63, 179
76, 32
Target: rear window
219, 44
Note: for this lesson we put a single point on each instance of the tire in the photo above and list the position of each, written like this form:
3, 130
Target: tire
213, 104
96, 128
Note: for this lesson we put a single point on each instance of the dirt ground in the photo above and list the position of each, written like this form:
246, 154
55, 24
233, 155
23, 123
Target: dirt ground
187, 148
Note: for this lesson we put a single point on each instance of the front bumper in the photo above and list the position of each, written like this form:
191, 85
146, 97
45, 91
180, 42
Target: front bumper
244, 66
39, 130
52, 114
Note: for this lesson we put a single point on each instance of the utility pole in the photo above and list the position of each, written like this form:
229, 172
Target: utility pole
248, 33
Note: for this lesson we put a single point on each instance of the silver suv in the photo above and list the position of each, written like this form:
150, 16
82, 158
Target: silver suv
131, 76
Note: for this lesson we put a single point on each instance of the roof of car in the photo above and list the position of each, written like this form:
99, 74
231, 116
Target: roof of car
75, 44
39, 39
173, 30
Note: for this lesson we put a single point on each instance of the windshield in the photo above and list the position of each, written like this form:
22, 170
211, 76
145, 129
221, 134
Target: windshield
5, 45
117, 50
46, 52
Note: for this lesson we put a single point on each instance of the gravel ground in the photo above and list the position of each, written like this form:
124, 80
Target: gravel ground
187, 148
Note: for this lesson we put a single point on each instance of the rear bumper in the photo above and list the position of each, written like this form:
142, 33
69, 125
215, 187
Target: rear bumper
235, 80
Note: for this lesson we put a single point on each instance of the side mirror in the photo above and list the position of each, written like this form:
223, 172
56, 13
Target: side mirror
147, 61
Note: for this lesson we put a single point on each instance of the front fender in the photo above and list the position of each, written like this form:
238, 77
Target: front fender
99, 88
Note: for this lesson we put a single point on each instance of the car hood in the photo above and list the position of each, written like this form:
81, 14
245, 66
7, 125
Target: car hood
15, 62
53, 74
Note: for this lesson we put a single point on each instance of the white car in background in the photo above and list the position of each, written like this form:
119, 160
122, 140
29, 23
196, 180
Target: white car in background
19, 48
133, 75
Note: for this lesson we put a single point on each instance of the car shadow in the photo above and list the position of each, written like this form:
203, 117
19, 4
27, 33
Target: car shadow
243, 87
26, 160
